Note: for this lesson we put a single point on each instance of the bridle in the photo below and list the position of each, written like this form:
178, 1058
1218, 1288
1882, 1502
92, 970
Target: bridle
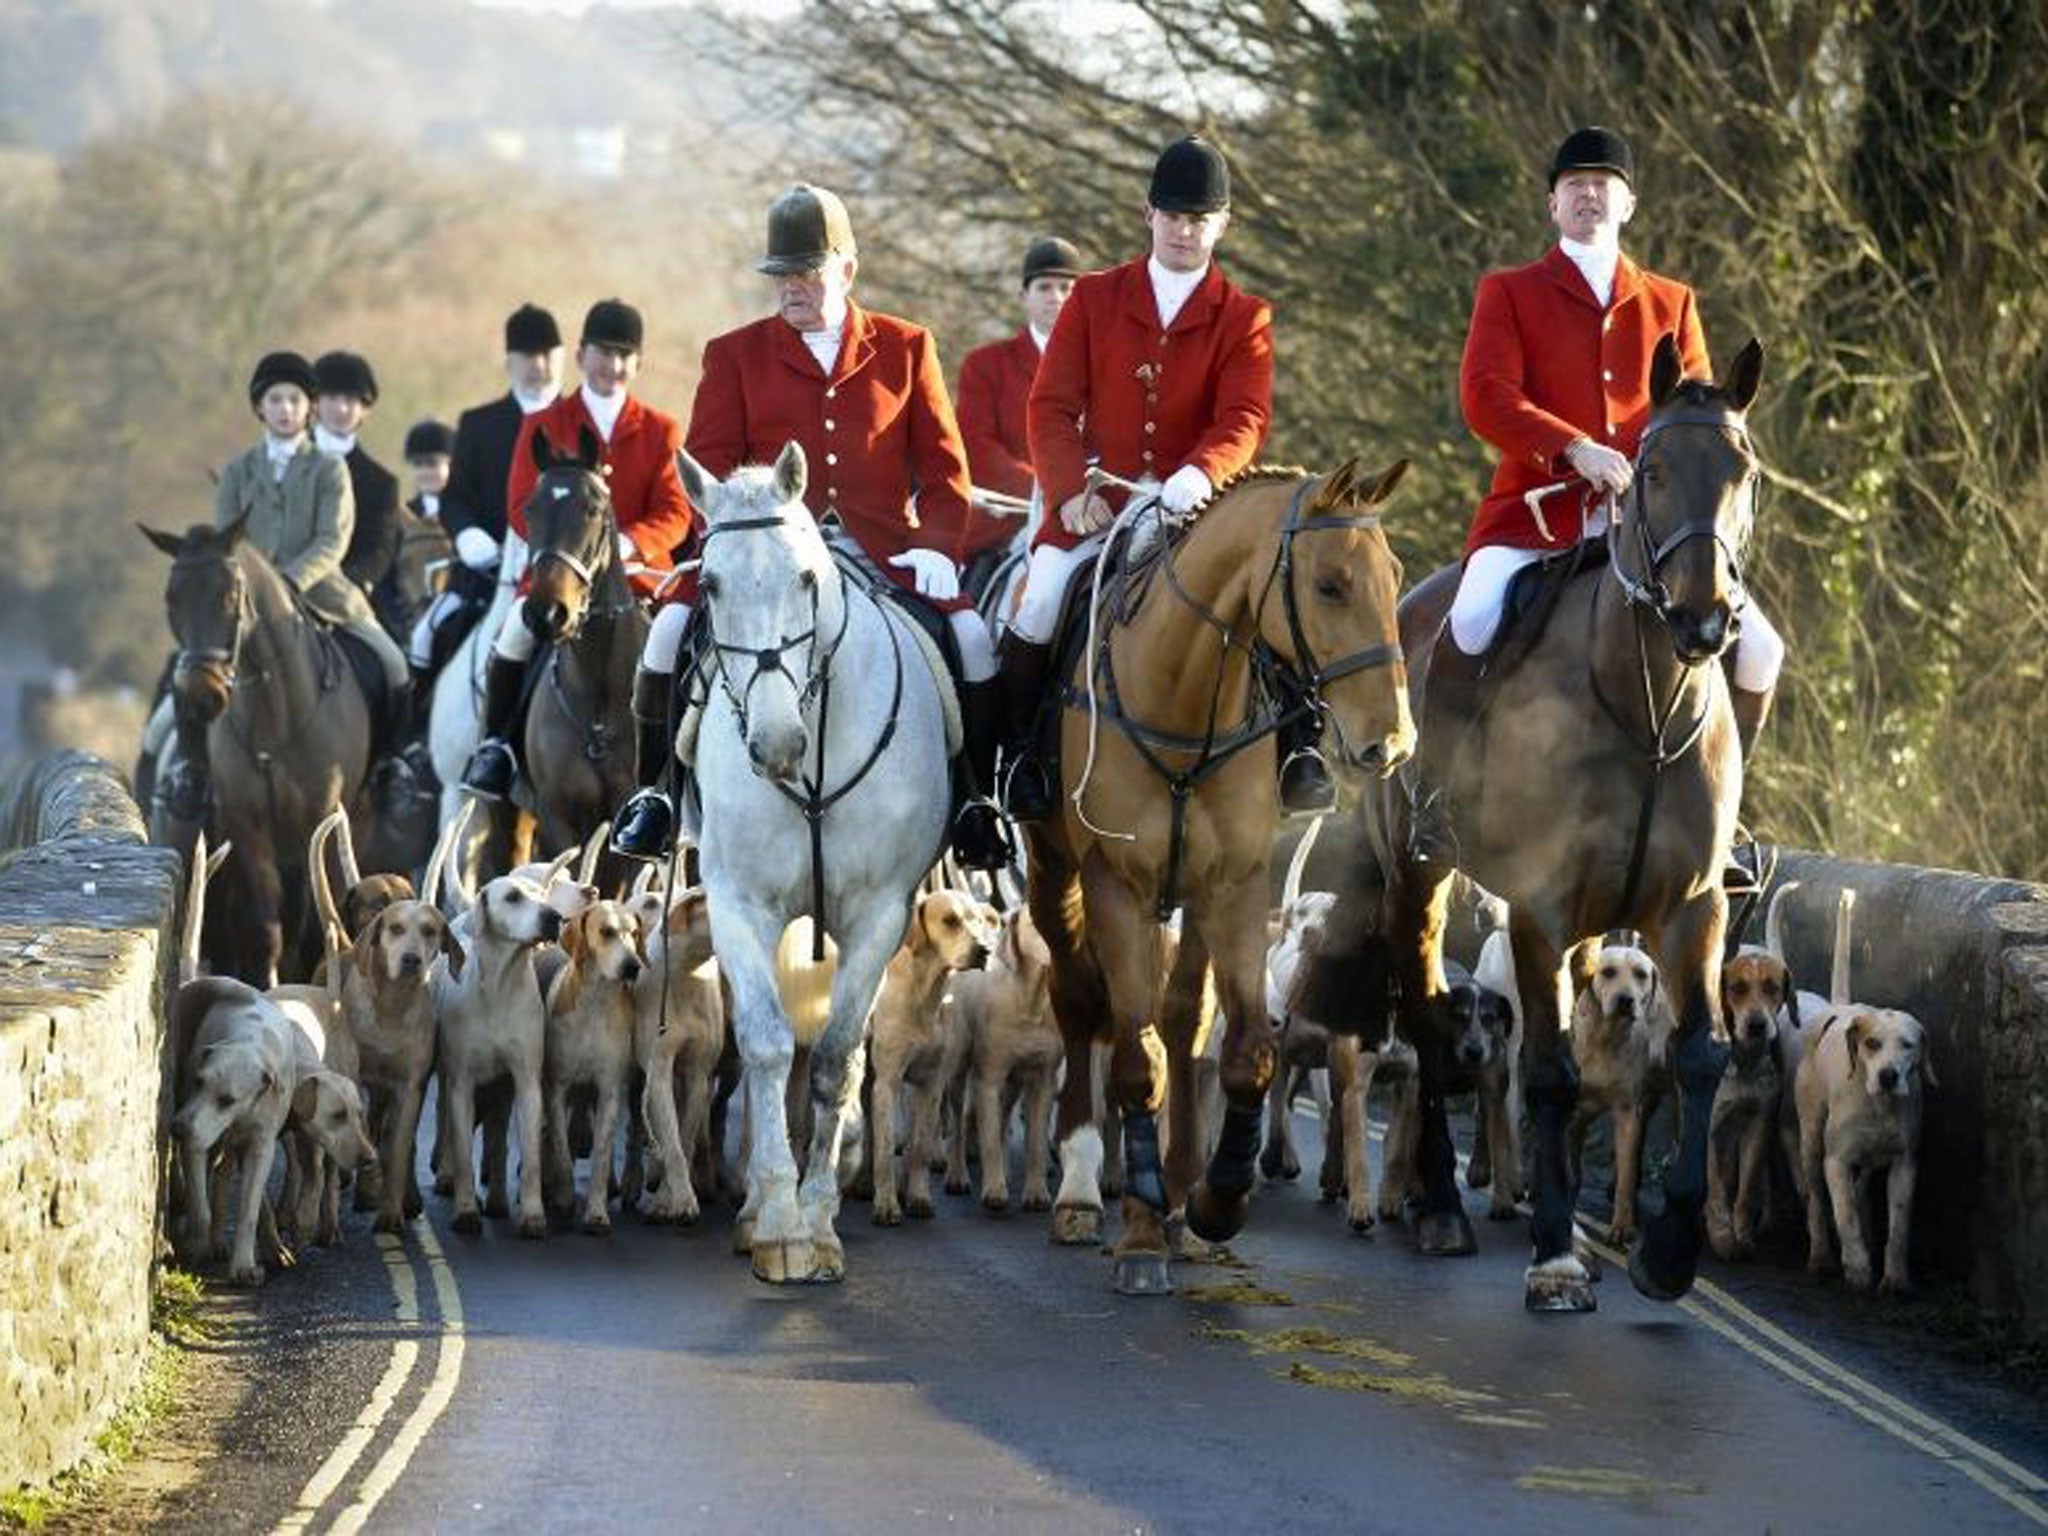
1648, 590
224, 661
600, 550
769, 660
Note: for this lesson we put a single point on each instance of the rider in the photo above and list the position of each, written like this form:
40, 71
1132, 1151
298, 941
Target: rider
995, 391
344, 391
473, 504
1160, 370
1557, 377
429, 449
862, 392
653, 515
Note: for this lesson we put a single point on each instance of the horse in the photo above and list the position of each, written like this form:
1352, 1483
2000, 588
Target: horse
1605, 776
270, 714
492, 842
579, 729
1283, 569
821, 771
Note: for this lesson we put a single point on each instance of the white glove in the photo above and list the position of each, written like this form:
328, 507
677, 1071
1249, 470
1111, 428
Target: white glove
476, 549
1185, 489
628, 550
936, 576
1084, 513
1602, 467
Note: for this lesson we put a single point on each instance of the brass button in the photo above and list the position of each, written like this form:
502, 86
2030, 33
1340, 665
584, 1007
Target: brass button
1148, 455
604, 469
832, 393
1605, 373
1151, 427
831, 458
828, 419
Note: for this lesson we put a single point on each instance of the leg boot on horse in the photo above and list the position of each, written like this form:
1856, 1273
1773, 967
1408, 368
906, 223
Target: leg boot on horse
493, 768
646, 825
981, 840
1027, 792
1450, 700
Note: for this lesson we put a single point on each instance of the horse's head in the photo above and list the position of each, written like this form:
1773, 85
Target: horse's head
772, 599
1336, 625
207, 598
570, 530
1680, 535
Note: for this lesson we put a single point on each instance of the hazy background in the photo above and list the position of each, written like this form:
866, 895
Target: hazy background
186, 185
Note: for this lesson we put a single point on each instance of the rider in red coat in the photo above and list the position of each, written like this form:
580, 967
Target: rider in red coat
638, 447
864, 395
1556, 375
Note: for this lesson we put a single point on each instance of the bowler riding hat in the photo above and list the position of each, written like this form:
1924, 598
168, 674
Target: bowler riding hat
280, 368
428, 438
1594, 149
529, 328
344, 373
1190, 177
806, 226
612, 323
1051, 257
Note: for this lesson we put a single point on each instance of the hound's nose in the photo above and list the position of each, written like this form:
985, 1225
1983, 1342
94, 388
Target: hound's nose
630, 971
1888, 1078
1754, 1028
409, 964
1625, 1006
1471, 1055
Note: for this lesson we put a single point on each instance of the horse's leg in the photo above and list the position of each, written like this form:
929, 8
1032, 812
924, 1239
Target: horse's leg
1418, 900
770, 1225
1233, 924
1663, 1260
1180, 1019
1077, 1006
1126, 942
1556, 1280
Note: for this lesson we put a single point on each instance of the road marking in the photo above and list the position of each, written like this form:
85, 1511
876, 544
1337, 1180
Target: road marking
1997, 1474
447, 1371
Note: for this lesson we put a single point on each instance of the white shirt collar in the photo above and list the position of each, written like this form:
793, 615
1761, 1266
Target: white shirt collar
334, 444
430, 503
280, 451
825, 344
1041, 337
539, 400
1170, 290
603, 411
1597, 262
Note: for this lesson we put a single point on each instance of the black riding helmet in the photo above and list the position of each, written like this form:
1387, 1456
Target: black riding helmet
280, 368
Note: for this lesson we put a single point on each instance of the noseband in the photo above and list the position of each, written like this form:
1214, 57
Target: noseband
591, 565
1315, 677
226, 660
1648, 590
769, 659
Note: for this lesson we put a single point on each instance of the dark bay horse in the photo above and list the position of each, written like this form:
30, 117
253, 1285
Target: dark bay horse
271, 717
1283, 569
1600, 790
579, 730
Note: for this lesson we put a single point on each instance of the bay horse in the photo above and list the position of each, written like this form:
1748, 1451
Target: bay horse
1599, 790
821, 770
579, 728
270, 715
1283, 569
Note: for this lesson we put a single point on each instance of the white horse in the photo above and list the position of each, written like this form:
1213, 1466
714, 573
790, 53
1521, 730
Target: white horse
455, 727
819, 695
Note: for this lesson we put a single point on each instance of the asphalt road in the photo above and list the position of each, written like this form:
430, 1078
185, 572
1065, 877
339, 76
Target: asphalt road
969, 1375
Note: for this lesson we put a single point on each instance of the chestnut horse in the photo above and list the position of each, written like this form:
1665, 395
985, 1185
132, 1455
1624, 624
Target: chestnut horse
1598, 790
1166, 806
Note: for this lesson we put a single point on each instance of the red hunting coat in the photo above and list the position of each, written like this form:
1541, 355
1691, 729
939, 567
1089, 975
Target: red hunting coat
639, 465
995, 393
877, 432
1545, 365
1113, 384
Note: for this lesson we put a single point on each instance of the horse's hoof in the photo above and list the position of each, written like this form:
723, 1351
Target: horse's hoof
828, 1263
1077, 1226
785, 1261
1143, 1274
533, 1228
1217, 1214
1559, 1285
743, 1236
1666, 1257
469, 1223
1444, 1235
919, 1207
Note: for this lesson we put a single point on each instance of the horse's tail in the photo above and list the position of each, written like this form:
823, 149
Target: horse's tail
1838, 985
1774, 931
1291, 887
437, 863
316, 871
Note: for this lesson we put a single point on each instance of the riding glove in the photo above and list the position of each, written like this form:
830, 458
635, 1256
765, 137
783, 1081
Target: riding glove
1185, 489
476, 549
936, 576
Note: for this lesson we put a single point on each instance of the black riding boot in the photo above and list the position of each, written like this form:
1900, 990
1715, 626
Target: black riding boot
493, 768
1306, 787
980, 838
1028, 792
414, 750
1450, 694
646, 824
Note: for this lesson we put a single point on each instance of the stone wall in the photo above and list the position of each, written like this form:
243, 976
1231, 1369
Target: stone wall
87, 956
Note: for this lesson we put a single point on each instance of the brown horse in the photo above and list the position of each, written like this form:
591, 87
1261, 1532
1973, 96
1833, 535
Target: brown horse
1283, 569
1600, 790
272, 733
579, 730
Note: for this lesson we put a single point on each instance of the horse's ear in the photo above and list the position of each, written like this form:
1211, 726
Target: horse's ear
792, 472
1747, 374
542, 450
697, 481
167, 542
589, 451
231, 535
1383, 486
1337, 489
1666, 369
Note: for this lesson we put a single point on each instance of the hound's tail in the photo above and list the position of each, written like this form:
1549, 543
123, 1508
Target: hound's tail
1291, 888
1838, 985
345, 845
1774, 932
593, 850
204, 865
316, 871
437, 864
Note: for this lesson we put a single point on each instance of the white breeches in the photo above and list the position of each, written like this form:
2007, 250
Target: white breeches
970, 634
1045, 587
1482, 595
515, 641
665, 638
421, 646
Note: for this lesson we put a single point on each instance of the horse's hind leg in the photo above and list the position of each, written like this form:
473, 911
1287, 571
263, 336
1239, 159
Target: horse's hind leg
1665, 1257
1078, 1006
1417, 903
1556, 1280
1233, 923
1180, 1021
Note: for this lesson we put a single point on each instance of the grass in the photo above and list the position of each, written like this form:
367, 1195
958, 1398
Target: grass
177, 1322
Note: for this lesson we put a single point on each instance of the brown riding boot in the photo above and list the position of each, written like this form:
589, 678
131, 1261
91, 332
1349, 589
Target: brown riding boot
1028, 794
1450, 696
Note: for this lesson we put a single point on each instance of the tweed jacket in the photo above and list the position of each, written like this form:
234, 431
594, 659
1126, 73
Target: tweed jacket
302, 524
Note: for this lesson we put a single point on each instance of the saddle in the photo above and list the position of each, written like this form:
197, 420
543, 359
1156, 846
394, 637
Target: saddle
1532, 597
383, 701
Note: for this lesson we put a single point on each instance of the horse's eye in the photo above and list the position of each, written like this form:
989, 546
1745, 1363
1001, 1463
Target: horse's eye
1331, 590
810, 581
709, 587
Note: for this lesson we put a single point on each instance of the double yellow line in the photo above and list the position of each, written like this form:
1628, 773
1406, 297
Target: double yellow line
324, 1486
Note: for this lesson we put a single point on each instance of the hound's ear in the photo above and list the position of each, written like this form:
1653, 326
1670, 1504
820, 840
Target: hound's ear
167, 542
1792, 1000
589, 451
1853, 1039
363, 953
306, 1098
451, 946
1667, 370
572, 936
1383, 486
1746, 375
792, 472
697, 481
542, 450
640, 941
919, 940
